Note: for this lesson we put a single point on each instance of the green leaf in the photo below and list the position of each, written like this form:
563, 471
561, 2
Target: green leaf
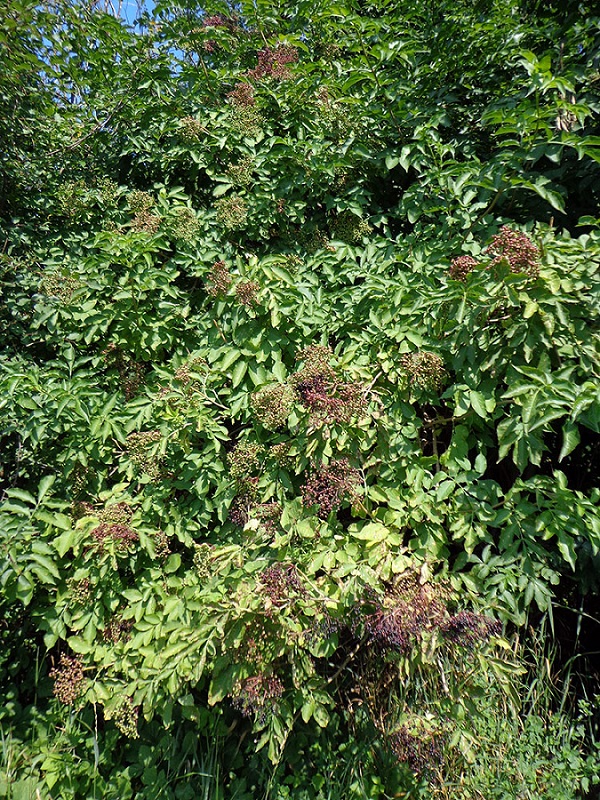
571, 439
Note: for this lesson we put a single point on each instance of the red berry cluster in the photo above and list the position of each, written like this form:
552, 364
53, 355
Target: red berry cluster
330, 485
273, 63
517, 250
258, 695
461, 267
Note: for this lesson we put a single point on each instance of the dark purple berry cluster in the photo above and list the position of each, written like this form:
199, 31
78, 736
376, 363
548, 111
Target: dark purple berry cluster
121, 535
330, 485
280, 582
468, 629
258, 696
328, 398
420, 748
405, 615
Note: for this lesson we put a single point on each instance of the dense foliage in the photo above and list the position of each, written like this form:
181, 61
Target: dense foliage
300, 409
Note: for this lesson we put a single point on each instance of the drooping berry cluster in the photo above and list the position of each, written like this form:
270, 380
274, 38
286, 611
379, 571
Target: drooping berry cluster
461, 266
240, 173
125, 717
349, 228
257, 695
121, 535
145, 222
406, 614
141, 449
279, 582
419, 746
131, 372
274, 63
330, 485
218, 279
246, 293
184, 225
469, 629
69, 680
242, 96
329, 399
190, 129
517, 250
60, 286
424, 370
232, 212
272, 405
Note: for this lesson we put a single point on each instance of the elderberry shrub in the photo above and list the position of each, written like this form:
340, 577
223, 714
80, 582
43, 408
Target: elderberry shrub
424, 370
121, 535
273, 63
468, 629
400, 621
